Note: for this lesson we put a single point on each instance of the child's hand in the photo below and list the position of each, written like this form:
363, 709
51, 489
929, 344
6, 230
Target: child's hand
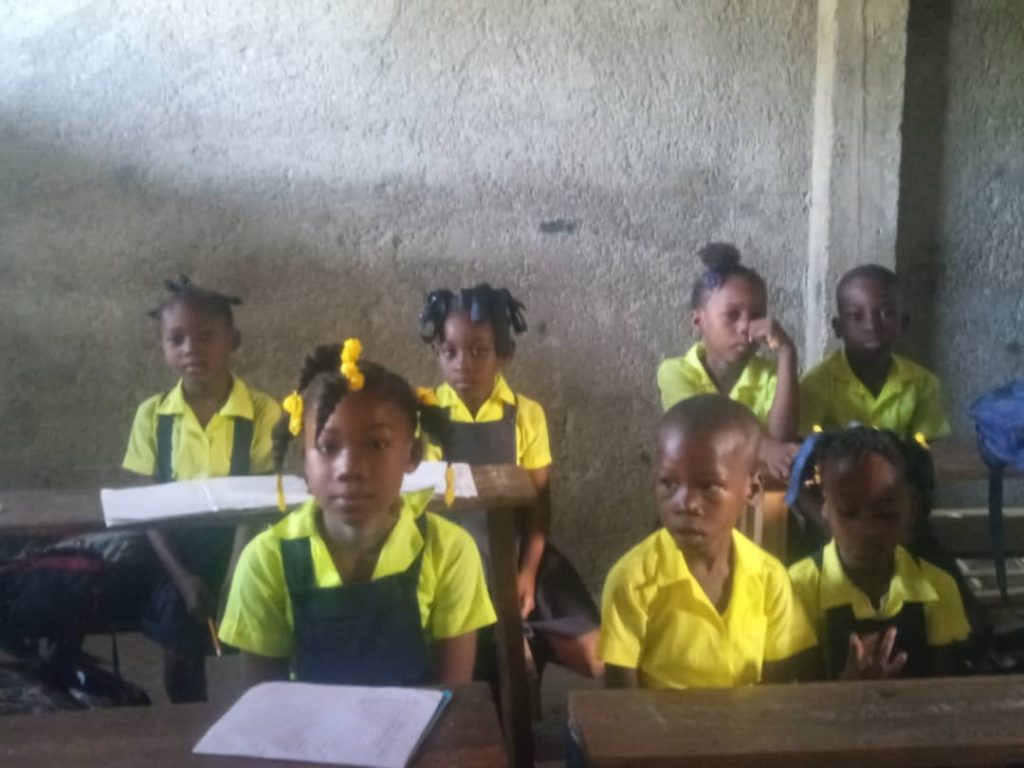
527, 585
777, 457
767, 331
871, 657
198, 600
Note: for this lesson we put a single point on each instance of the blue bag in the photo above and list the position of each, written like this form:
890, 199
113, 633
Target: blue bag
999, 422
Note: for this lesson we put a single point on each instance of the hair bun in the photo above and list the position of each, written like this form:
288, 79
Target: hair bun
719, 257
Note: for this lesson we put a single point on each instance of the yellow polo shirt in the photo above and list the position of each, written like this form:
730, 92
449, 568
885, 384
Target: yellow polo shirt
682, 377
452, 592
831, 396
196, 452
915, 581
533, 449
656, 619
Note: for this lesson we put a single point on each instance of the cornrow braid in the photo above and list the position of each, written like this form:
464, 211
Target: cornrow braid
911, 457
322, 387
483, 304
184, 291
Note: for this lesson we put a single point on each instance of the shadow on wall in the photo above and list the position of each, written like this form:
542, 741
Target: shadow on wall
922, 180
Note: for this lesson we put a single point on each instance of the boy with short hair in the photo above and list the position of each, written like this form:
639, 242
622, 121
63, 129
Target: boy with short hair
866, 382
697, 604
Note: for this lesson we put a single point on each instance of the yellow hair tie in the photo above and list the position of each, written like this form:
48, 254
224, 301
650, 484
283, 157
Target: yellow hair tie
350, 353
449, 485
281, 506
293, 406
426, 396
921, 440
817, 429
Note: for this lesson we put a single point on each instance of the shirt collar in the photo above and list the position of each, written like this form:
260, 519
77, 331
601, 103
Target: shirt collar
403, 543
899, 372
673, 568
447, 397
908, 585
238, 404
695, 358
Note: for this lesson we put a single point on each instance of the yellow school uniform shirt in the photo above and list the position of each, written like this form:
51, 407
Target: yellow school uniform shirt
452, 593
533, 449
914, 581
656, 619
197, 452
831, 396
682, 377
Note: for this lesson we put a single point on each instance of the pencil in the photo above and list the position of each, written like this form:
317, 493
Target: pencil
213, 636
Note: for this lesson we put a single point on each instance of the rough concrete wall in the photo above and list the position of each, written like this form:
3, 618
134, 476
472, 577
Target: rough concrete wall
961, 239
330, 162
962, 234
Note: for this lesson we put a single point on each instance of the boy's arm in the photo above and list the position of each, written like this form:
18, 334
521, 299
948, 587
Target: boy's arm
620, 677
454, 658
535, 535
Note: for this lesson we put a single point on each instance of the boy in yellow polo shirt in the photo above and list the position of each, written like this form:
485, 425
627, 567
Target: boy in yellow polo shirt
865, 381
359, 586
879, 610
209, 425
697, 604
729, 310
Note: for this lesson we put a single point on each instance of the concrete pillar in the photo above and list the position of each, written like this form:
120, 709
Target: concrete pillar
855, 166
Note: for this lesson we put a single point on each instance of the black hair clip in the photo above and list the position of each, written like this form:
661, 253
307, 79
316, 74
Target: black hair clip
433, 313
515, 311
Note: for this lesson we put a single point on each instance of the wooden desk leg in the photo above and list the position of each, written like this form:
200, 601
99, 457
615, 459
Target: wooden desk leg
515, 699
774, 519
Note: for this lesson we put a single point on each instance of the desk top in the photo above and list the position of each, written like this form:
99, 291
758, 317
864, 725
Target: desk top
944, 721
61, 512
467, 735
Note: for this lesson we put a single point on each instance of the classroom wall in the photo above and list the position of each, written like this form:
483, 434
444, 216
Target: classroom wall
330, 162
961, 244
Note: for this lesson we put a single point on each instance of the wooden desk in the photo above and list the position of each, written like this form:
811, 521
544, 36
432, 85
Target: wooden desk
939, 722
162, 737
501, 489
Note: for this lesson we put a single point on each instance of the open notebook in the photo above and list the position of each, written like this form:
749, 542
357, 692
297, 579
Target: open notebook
332, 724
221, 494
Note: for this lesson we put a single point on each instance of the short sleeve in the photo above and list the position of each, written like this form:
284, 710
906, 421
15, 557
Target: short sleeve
266, 414
623, 620
945, 619
534, 449
789, 631
930, 417
140, 457
673, 383
256, 618
461, 603
813, 405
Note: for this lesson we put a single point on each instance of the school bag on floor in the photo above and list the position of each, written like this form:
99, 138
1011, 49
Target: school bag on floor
49, 602
999, 422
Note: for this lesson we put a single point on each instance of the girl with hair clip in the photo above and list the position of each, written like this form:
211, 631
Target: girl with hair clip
470, 332
729, 311
882, 604
359, 585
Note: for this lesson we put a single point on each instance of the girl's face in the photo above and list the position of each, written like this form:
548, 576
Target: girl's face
868, 504
468, 357
197, 344
354, 468
723, 322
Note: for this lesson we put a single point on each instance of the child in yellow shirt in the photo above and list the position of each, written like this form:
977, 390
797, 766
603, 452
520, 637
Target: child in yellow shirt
697, 604
209, 425
359, 586
729, 312
866, 381
879, 610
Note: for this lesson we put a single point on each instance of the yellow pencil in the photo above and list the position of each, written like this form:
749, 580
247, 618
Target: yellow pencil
213, 635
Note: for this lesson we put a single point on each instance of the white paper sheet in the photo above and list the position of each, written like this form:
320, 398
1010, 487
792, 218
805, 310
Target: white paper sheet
332, 724
259, 492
